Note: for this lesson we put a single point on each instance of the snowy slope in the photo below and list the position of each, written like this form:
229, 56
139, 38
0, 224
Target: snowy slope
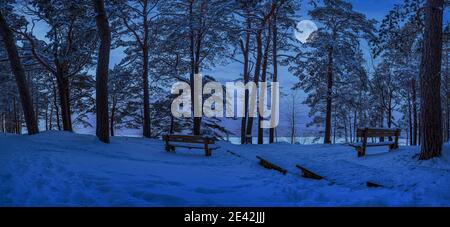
64, 169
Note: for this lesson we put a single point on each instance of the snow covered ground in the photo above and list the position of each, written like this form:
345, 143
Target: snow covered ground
65, 169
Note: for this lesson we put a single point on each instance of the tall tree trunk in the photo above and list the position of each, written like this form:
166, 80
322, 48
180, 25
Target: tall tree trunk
145, 50
255, 79
245, 50
64, 100
382, 122
415, 115
264, 79
102, 71
19, 73
327, 138
198, 46
389, 116
113, 116
430, 81
447, 95
275, 65
16, 118
50, 123
147, 125
410, 119
55, 103
194, 70
46, 116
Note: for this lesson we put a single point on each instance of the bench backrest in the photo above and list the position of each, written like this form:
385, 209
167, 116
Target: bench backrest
377, 132
188, 139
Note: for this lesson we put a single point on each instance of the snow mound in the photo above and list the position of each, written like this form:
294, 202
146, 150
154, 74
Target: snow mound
66, 169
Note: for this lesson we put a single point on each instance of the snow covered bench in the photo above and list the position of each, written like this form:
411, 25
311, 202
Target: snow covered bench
270, 165
375, 132
187, 141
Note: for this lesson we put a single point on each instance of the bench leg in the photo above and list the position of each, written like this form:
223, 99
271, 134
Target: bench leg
207, 150
170, 148
361, 151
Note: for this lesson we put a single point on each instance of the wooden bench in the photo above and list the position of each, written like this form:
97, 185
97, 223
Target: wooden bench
306, 173
269, 165
365, 133
186, 141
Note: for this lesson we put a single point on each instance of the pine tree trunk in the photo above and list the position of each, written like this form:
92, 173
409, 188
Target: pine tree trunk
264, 79
50, 123
275, 65
382, 123
145, 50
193, 48
327, 138
102, 71
256, 80
46, 116
55, 103
245, 49
16, 118
430, 81
19, 73
147, 128
415, 115
113, 116
410, 120
447, 96
64, 101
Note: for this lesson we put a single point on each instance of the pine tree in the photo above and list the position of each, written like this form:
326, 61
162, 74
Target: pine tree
332, 52
430, 81
19, 72
102, 71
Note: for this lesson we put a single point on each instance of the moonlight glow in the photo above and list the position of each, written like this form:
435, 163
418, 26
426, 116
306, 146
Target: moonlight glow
304, 29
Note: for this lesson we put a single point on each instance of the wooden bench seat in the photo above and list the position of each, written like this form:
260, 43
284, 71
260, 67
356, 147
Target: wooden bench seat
189, 141
365, 133
269, 165
372, 144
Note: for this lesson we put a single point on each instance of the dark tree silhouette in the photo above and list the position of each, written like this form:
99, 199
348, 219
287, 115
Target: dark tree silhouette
19, 73
102, 71
430, 68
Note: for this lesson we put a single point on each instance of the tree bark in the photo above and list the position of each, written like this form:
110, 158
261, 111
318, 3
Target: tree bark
145, 50
264, 79
113, 116
19, 73
245, 50
255, 79
55, 103
327, 138
414, 106
64, 100
431, 144
275, 65
102, 71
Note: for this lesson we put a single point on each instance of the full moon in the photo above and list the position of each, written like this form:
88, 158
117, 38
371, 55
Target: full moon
304, 29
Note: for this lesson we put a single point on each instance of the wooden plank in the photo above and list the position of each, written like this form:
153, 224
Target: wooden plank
308, 173
233, 153
372, 144
373, 185
189, 139
268, 165
377, 132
